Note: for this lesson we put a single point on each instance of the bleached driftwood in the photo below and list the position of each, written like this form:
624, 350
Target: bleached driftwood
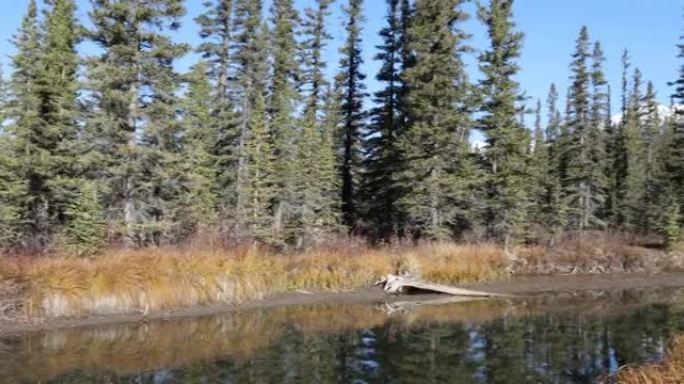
401, 285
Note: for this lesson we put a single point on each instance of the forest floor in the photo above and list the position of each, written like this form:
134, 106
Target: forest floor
518, 286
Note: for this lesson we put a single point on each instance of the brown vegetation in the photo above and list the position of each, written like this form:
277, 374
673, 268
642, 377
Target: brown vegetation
598, 252
161, 279
670, 372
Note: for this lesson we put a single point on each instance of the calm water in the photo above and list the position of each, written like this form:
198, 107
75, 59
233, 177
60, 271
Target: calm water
562, 339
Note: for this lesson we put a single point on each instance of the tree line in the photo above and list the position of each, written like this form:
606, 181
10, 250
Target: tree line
256, 142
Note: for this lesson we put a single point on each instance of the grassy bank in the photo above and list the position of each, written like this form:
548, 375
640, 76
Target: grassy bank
128, 281
159, 279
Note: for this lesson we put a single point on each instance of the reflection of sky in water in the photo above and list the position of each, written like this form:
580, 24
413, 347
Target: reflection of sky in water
549, 341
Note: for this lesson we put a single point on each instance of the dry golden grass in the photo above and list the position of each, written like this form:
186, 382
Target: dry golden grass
158, 279
457, 263
670, 372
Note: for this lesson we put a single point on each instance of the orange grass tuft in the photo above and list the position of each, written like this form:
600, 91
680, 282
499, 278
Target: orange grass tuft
451, 263
670, 372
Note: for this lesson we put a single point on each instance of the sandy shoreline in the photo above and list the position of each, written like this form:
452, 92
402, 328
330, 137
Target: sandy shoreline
523, 286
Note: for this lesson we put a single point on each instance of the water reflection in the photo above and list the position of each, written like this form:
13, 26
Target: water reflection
565, 339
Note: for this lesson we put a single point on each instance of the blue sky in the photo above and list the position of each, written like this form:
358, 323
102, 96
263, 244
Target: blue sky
648, 28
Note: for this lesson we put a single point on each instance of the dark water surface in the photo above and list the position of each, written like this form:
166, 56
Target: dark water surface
568, 338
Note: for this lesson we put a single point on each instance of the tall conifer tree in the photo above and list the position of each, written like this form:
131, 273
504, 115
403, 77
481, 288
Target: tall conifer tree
635, 152
352, 87
217, 48
618, 153
508, 141
317, 182
584, 193
29, 164
381, 189
540, 167
58, 85
315, 41
674, 164
135, 100
12, 189
282, 105
255, 175
43, 117
654, 156
555, 210
198, 209
599, 128
435, 146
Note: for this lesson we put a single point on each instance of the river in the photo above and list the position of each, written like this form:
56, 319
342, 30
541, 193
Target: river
562, 338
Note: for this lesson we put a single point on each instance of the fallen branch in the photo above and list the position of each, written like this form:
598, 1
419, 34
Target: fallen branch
404, 285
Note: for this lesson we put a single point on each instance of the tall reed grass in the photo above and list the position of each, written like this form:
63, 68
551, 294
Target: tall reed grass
130, 281
153, 280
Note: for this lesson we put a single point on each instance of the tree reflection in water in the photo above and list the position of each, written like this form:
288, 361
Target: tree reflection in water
566, 339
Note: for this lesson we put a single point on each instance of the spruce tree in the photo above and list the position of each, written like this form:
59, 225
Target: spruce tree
86, 232
198, 208
583, 189
381, 189
554, 209
654, 188
508, 140
671, 227
216, 27
22, 203
599, 128
134, 91
217, 48
12, 196
282, 104
435, 147
554, 119
34, 144
256, 175
674, 164
255, 166
315, 171
539, 171
330, 211
12, 189
619, 155
318, 198
314, 42
57, 88
352, 88
632, 209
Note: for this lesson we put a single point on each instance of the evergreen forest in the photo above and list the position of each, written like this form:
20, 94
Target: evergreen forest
258, 143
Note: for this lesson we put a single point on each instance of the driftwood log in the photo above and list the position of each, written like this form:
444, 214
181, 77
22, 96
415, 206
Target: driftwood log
404, 285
